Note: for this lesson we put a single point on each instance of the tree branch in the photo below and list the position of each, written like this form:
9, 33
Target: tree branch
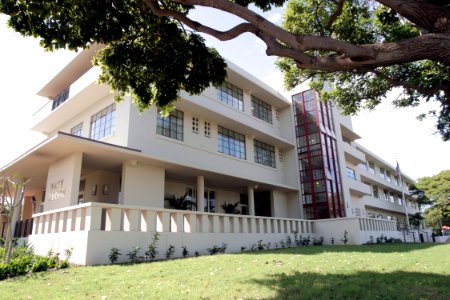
299, 42
336, 14
346, 55
424, 13
221, 35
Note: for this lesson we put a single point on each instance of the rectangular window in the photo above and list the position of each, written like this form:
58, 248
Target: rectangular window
102, 123
261, 110
391, 197
371, 168
172, 125
207, 129
399, 199
231, 95
195, 125
351, 173
231, 142
61, 98
264, 154
381, 173
77, 130
362, 166
386, 195
388, 176
375, 191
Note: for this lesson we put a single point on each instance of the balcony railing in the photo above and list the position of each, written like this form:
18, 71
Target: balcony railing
110, 217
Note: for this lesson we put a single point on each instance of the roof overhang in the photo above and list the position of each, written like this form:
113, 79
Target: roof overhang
349, 133
71, 72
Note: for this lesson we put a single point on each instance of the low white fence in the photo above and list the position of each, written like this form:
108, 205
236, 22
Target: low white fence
92, 229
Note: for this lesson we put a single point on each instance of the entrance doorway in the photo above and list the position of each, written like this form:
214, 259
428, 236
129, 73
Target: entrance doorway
262, 204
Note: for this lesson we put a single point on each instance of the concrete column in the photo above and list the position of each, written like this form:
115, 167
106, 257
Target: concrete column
200, 193
251, 201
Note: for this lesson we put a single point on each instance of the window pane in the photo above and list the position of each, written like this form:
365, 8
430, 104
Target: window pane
261, 110
231, 143
102, 123
170, 126
231, 95
264, 154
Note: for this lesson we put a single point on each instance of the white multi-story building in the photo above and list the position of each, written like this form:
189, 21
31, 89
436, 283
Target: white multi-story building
221, 168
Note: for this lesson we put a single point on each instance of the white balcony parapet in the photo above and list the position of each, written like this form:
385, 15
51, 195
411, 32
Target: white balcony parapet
88, 216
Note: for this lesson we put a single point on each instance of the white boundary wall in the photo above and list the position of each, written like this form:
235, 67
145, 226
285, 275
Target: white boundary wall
80, 227
359, 230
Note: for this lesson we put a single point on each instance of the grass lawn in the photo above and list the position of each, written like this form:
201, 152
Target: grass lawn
391, 271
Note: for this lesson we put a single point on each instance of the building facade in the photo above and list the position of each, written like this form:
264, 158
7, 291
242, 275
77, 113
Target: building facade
236, 164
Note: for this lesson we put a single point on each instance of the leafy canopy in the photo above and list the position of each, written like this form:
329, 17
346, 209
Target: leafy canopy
437, 188
152, 58
364, 48
360, 23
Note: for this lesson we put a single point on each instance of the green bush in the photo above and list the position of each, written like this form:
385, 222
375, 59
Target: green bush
4, 271
40, 264
20, 265
53, 262
22, 250
64, 264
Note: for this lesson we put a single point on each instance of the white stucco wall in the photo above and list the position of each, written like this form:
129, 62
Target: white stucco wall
63, 181
100, 179
142, 185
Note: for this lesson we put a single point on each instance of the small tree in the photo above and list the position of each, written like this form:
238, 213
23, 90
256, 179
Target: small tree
12, 205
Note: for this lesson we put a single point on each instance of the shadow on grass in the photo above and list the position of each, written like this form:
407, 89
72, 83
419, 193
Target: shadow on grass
362, 285
377, 248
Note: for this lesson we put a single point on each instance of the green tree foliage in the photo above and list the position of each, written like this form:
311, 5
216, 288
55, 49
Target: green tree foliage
152, 58
364, 48
365, 82
437, 188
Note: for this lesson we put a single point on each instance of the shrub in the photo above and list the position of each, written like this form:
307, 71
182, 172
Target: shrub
170, 251
114, 254
217, 249
133, 254
185, 251
288, 242
21, 250
152, 252
4, 271
64, 264
20, 265
40, 264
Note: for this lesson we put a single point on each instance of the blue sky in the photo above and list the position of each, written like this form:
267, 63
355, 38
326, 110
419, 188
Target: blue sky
25, 67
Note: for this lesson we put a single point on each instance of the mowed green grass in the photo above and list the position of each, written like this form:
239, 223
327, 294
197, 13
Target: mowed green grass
398, 271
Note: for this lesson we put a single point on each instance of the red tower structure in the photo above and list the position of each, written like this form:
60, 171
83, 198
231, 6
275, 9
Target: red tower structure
317, 155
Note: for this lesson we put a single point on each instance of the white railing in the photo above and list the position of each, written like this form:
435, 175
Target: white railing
368, 224
96, 216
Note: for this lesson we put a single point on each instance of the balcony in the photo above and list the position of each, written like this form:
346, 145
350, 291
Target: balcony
388, 206
83, 93
353, 155
382, 183
358, 188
